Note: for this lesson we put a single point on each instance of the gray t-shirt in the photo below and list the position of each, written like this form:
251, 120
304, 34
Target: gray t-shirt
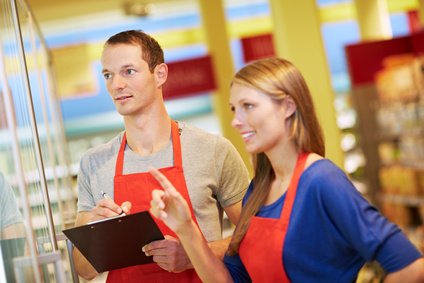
9, 211
215, 174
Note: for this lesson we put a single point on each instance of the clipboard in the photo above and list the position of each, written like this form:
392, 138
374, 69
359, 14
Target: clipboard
116, 242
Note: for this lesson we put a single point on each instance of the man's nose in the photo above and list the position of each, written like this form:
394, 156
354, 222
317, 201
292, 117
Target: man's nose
118, 82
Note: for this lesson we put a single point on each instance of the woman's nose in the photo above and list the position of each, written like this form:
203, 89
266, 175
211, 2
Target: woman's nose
236, 122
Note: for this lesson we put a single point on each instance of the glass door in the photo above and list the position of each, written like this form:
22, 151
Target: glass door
36, 195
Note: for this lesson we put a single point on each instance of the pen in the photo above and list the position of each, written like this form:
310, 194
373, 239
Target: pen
106, 196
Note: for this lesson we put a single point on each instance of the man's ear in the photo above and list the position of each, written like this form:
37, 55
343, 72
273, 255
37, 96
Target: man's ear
161, 74
290, 106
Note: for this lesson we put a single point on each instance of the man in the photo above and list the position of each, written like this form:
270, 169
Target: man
12, 230
207, 169
11, 222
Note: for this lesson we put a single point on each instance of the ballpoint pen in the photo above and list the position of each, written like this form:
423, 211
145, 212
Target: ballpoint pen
106, 196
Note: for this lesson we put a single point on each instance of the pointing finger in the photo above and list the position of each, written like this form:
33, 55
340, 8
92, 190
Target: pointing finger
164, 182
157, 199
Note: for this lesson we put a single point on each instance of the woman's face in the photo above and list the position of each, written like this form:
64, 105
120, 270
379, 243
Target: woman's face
259, 119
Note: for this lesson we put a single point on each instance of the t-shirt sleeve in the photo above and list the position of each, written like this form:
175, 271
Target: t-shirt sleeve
236, 268
361, 224
234, 177
85, 196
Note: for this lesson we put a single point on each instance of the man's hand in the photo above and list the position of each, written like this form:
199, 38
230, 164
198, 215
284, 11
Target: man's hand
107, 208
169, 254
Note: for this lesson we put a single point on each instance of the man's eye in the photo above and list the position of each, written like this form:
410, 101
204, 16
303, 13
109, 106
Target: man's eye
232, 109
107, 76
130, 71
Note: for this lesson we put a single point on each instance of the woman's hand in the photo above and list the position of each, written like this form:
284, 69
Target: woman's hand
168, 205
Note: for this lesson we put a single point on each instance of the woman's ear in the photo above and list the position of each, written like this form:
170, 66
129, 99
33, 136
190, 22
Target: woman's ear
290, 106
161, 74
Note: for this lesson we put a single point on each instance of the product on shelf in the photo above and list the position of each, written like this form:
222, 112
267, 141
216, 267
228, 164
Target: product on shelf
399, 113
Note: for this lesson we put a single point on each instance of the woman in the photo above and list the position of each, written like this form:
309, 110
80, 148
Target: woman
302, 219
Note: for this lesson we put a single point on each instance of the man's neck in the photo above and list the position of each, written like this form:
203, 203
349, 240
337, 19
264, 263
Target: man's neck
149, 134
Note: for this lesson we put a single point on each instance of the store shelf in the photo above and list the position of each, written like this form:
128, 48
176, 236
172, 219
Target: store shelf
402, 199
32, 177
399, 114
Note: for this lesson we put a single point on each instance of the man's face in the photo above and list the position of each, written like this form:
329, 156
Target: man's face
128, 79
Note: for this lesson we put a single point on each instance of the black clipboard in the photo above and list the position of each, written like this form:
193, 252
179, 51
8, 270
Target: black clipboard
116, 242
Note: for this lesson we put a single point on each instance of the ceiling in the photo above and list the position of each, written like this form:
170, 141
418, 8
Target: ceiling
53, 10
55, 16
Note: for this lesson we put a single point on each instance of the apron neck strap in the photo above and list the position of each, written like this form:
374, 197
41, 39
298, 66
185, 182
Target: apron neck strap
176, 144
291, 191
120, 160
176, 148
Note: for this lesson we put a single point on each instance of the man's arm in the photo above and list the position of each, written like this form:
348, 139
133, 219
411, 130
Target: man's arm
170, 255
219, 248
233, 212
13, 231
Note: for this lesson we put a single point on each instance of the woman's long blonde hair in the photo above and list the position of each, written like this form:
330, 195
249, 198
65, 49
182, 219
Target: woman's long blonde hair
277, 78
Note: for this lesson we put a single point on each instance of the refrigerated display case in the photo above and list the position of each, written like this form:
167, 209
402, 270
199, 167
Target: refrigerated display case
33, 154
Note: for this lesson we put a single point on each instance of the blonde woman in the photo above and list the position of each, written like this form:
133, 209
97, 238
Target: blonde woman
302, 219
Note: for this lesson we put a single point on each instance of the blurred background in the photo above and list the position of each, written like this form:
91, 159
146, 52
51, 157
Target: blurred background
361, 58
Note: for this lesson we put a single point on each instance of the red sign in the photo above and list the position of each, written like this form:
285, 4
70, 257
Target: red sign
414, 23
257, 47
189, 77
364, 59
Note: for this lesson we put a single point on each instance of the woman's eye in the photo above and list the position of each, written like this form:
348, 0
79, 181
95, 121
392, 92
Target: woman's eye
247, 106
232, 109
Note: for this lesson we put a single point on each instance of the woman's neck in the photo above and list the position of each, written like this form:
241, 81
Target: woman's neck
283, 164
283, 160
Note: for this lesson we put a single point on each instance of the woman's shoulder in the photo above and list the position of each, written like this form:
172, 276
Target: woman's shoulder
319, 167
324, 178
312, 158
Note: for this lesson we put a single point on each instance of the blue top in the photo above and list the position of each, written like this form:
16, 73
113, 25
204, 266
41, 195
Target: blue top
333, 231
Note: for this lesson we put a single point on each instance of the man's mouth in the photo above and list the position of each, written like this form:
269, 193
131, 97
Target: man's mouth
122, 97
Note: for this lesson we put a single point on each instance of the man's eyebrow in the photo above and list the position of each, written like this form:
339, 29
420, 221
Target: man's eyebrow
127, 66
122, 67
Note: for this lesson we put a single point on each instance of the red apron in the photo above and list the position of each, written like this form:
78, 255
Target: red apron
137, 188
262, 247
